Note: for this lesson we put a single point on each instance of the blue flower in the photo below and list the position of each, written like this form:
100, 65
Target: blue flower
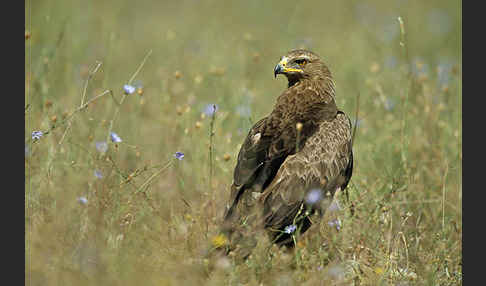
101, 146
98, 174
389, 104
313, 196
179, 155
290, 228
115, 138
210, 109
129, 89
36, 135
83, 200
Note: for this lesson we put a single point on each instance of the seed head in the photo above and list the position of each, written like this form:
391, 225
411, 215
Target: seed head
299, 126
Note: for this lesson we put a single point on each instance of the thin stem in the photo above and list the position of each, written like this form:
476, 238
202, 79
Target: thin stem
125, 95
444, 195
355, 120
211, 135
83, 96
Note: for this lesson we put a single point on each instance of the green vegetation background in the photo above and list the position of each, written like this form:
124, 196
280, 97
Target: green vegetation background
135, 215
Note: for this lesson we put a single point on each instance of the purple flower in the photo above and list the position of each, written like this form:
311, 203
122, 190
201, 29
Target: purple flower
129, 89
36, 135
335, 223
98, 174
83, 200
210, 109
101, 146
334, 206
115, 138
313, 196
179, 155
290, 228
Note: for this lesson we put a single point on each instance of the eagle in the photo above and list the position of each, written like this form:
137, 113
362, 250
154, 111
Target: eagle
292, 161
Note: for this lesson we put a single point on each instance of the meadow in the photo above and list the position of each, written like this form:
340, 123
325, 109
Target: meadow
114, 89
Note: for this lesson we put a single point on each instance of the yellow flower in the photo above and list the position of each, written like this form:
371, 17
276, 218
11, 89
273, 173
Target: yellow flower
219, 240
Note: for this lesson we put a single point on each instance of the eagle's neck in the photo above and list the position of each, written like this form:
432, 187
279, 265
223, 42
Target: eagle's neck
323, 86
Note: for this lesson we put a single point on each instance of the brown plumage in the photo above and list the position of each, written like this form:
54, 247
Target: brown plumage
293, 160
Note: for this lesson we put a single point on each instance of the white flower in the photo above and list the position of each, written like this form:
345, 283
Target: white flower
129, 89
115, 138
290, 228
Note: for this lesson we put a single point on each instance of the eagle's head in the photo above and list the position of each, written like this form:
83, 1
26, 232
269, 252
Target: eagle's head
301, 64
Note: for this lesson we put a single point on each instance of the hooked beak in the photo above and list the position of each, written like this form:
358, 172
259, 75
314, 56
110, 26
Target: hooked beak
278, 69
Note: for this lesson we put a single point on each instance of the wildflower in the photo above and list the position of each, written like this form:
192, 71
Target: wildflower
98, 174
313, 196
334, 206
83, 200
299, 126
36, 135
179, 155
389, 104
219, 240
129, 89
101, 146
379, 270
210, 109
335, 223
290, 228
115, 138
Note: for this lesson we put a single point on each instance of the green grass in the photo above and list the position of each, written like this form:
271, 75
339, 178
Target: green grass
150, 219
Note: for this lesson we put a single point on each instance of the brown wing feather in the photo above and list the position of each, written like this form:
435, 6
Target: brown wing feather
323, 163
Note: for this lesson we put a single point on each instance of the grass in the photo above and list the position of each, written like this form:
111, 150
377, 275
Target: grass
135, 214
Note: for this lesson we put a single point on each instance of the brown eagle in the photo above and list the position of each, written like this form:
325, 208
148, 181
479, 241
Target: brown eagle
292, 161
